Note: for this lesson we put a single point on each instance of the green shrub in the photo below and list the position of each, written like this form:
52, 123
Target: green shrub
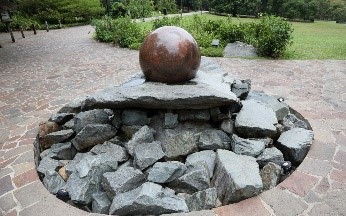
165, 21
273, 35
121, 31
104, 29
135, 46
212, 51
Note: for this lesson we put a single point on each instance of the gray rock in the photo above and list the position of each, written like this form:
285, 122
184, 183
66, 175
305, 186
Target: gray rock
71, 166
62, 151
163, 172
61, 118
177, 145
128, 163
144, 135
86, 180
149, 199
118, 153
53, 181
201, 200
249, 147
134, 117
281, 109
239, 49
207, 156
92, 135
203, 93
270, 175
196, 178
68, 125
129, 131
171, 120
270, 155
236, 177
96, 116
255, 120
47, 164
227, 126
291, 121
146, 154
73, 106
121, 181
241, 88
295, 144
194, 115
100, 203
56, 137
212, 139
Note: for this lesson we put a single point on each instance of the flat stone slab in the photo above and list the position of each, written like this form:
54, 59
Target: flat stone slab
198, 93
256, 120
239, 49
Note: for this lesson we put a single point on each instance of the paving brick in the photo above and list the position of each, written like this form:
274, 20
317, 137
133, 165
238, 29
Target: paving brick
322, 210
252, 206
315, 167
23, 167
12, 213
312, 197
283, 203
17, 151
6, 185
336, 200
338, 185
340, 138
27, 157
26, 141
7, 202
322, 151
338, 175
30, 194
340, 157
323, 186
199, 213
5, 171
299, 183
51, 206
25, 178
7, 162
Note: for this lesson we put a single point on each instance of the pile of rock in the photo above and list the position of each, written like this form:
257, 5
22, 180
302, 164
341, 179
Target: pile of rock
151, 148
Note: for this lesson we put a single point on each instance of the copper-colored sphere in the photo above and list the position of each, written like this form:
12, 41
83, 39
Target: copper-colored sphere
170, 55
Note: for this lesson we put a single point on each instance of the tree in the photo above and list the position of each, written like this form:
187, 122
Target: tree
54, 10
169, 5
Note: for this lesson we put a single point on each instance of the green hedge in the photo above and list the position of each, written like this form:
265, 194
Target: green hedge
270, 35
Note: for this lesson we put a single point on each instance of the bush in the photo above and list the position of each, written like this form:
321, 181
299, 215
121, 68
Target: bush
121, 31
104, 29
212, 51
135, 46
273, 35
165, 21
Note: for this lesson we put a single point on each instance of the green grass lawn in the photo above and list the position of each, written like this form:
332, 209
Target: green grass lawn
318, 40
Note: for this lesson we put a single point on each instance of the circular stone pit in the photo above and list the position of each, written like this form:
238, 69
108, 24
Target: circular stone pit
193, 146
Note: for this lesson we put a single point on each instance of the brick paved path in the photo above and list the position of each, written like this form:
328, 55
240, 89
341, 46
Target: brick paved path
41, 73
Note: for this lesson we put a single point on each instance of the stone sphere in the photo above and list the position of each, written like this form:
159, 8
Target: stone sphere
170, 55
